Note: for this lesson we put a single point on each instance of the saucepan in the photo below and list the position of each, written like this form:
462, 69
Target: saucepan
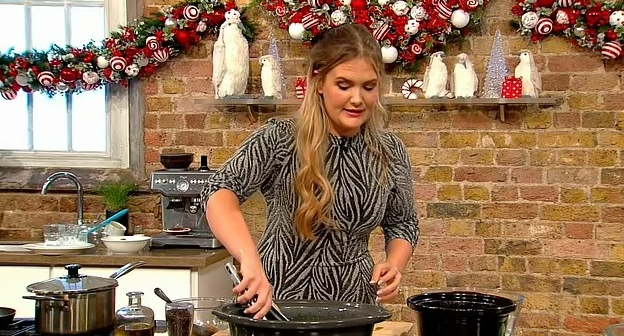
6, 316
77, 304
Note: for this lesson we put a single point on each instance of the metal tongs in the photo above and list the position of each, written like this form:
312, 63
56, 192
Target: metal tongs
274, 314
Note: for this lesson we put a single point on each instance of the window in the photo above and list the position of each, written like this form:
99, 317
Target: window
90, 129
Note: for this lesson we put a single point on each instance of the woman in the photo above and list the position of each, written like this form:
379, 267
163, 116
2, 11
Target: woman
329, 179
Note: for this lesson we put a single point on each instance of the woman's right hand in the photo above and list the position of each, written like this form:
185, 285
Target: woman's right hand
254, 284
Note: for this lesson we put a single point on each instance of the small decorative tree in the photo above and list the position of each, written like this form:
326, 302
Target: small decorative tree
496, 70
116, 195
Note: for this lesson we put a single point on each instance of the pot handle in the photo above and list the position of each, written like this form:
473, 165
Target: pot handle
127, 268
41, 297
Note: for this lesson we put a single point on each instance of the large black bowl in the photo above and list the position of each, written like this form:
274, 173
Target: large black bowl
6, 316
307, 318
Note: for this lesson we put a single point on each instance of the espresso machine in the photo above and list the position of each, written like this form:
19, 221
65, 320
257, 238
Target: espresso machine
184, 223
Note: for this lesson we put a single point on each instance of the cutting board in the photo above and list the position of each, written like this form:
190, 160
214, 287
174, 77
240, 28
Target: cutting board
387, 328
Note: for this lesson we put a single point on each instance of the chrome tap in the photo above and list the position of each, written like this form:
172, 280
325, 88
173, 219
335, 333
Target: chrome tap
73, 178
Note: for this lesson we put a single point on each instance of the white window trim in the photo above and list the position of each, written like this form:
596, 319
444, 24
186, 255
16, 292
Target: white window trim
118, 154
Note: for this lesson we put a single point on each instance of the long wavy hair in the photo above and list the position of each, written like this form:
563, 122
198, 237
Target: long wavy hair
333, 47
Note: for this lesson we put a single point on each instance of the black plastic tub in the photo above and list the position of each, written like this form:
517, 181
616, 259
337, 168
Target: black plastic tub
307, 318
460, 313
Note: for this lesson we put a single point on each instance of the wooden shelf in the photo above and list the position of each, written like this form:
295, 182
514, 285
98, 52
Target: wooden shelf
393, 101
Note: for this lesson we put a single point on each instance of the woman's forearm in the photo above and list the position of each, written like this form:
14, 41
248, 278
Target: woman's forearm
227, 223
398, 253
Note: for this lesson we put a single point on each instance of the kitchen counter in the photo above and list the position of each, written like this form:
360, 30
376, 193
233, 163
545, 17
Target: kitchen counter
387, 328
101, 257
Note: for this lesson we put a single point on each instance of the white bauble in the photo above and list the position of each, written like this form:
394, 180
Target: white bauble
102, 62
400, 8
616, 19
132, 70
460, 18
380, 2
411, 27
296, 30
22, 79
90, 77
418, 13
389, 54
338, 17
170, 23
529, 20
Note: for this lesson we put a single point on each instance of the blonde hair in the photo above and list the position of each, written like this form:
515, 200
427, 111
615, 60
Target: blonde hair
335, 46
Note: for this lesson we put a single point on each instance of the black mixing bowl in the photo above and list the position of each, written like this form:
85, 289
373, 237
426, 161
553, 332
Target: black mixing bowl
307, 318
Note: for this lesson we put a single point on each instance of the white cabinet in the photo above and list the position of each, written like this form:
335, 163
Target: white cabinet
13, 282
177, 283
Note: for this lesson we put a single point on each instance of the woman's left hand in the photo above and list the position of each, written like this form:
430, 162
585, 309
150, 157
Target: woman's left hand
388, 278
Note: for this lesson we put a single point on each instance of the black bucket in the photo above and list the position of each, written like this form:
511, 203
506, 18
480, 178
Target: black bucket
460, 313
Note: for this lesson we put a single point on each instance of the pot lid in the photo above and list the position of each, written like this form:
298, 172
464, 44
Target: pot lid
72, 283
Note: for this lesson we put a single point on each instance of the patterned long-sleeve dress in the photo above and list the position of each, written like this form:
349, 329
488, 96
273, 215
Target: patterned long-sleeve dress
337, 265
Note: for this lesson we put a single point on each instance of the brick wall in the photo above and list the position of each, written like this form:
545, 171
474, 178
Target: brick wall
533, 205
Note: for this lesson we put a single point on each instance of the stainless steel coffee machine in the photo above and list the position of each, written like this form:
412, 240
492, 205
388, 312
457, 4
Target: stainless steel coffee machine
184, 222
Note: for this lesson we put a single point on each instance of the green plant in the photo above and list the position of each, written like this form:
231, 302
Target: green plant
116, 193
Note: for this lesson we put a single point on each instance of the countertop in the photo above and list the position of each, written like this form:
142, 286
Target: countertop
100, 256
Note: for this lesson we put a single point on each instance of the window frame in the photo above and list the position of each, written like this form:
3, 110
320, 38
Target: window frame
118, 144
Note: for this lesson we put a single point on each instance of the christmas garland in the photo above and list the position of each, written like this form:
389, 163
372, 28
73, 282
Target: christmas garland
591, 25
131, 52
407, 30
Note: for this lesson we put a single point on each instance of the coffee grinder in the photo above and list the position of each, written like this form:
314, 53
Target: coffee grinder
184, 223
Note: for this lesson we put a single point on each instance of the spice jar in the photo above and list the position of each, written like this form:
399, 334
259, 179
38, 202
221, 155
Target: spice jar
179, 317
134, 319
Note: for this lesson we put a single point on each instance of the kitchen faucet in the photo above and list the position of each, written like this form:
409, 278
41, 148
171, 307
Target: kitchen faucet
73, 178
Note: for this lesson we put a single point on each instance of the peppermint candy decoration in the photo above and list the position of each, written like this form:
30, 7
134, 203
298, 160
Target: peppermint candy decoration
314, 3
416, 49
310, 20
381, 32
544, 26
280, 10
8, 94
118, 63
562, 18
611, 50
565, 3
444, 11
191, 13
418, 13
152, 43
46, 78
472, 4
161, 55
90, 77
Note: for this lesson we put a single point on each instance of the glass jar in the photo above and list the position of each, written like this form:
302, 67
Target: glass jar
179, 318
134, 319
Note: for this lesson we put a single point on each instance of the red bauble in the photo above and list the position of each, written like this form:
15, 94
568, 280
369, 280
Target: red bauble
357, 5
69, 75
545, 3
183, 38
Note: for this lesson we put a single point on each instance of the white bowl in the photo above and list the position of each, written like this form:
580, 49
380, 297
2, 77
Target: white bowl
125, 244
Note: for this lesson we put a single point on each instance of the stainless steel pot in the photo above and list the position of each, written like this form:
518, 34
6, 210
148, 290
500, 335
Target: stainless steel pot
76, 304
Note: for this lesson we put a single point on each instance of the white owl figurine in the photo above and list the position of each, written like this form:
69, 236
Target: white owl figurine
435, 80
527, 70
271, 77
465, 81
230, 58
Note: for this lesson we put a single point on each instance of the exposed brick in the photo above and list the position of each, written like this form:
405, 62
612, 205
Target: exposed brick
602, 158
511, 264
235, 138
421, 157
487, 229
613, 176
574, 63
476, 193
419, 139
598, 120
195, 138
482, 263
571, 157
199, 85
541, 320
611, 139
173, 86
584, 101
481, 174
509, 140
477, 157
446, 156
617, 306
192, 68
454, 263
513, 246
588, 323
542, 265
425, 279
555, 82
581, 176
614, 214
573, 267
541, 157
567, 120
423, 262
450, 193
171, 121
473, 280
510, 210
595, 82
158, 138
607, 195
606, 268
538, 119
517, 157
573, 195
579, 230
195, 121
439, 174
567, 139
504, 193
617, 252
531, 283
458, 139
159, 104
539, 193
460, 228
452, 210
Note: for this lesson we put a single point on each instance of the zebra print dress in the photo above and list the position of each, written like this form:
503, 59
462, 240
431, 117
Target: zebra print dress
337, 265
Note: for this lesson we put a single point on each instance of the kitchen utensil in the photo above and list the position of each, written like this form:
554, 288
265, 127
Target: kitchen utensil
114, 229
107, 221
76, 304
159, 292
461, 313
6, 316
43, 249
274, 314
125, 244
307, 318
176, 160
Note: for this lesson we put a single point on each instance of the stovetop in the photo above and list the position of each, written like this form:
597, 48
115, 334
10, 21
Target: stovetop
26, 327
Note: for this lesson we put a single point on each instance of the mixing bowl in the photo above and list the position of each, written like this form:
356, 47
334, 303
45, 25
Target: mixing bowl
205, 323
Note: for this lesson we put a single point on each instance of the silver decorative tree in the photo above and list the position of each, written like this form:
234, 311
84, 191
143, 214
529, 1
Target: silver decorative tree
274, 51
496, 70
